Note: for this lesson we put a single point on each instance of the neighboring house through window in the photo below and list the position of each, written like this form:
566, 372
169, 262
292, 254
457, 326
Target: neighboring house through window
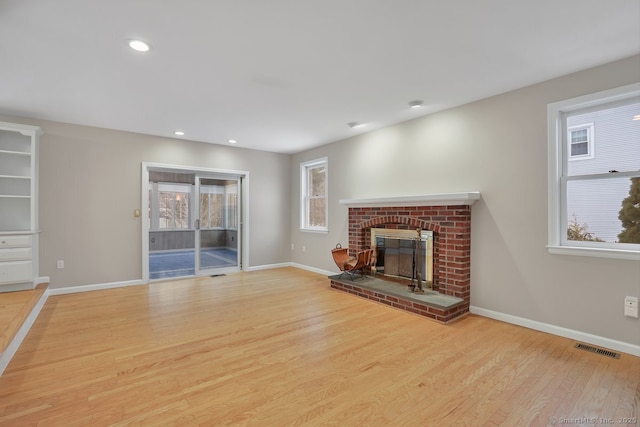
581, 142
592, 181
314, 206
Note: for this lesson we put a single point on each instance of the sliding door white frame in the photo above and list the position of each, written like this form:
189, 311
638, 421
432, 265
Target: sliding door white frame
244, 206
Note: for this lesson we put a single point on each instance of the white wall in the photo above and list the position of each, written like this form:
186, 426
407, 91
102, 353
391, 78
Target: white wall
90, 185
497, 146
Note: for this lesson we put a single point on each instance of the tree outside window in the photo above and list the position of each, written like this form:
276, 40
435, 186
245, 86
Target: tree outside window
174, 210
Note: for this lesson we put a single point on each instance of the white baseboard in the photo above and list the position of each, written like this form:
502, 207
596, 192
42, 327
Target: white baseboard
88, 288
11, 349
313, 269
268, 266
560, 331
113, 285
293, 264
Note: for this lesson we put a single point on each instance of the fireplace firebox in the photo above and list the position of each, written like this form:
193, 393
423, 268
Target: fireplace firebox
404, 254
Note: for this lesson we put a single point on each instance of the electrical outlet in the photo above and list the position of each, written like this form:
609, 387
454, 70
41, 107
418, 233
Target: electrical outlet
60, 264
631, 307
304, 249
293, 247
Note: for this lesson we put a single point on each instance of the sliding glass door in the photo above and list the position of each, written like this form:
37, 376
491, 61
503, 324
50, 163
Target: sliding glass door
171, 235
217, 228
194, 225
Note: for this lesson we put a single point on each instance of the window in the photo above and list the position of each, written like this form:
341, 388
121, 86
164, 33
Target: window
173, 202
594, 200
219, 206
232, 206
581, 141
211, 204
314, 206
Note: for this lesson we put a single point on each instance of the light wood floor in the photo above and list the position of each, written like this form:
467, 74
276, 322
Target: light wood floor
279, 347
15, 307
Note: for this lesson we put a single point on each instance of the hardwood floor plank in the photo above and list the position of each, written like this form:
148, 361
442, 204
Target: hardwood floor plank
280, 347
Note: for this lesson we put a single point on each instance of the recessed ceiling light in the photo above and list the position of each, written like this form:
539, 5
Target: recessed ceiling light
232, 141
415, 104
178, 133
139, 45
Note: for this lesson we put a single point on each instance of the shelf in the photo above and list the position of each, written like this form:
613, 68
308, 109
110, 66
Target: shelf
15, 177
18, 205
440, 199
18, 232
16, 153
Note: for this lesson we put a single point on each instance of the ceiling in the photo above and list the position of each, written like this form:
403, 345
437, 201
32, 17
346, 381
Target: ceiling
288, 75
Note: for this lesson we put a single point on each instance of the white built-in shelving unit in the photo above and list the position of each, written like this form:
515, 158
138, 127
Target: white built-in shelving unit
18, 206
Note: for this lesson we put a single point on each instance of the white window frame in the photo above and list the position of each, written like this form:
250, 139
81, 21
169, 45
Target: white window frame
171, 187
212, 189
590, 142
558, 151
305, 168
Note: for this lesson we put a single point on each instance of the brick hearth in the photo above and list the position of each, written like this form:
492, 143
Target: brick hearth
451, 226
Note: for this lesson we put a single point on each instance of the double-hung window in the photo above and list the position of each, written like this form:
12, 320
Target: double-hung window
580, 138
173, 202
314, 206
594, 174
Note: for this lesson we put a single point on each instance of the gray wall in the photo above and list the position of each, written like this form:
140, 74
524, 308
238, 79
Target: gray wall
90, 185
497, 146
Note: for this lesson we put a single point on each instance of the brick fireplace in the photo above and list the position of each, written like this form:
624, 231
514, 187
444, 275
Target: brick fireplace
448, 216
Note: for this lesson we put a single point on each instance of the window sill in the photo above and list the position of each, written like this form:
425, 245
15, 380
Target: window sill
310, 230
595, 252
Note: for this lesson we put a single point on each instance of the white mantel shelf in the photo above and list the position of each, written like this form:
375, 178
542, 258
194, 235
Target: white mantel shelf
443, 199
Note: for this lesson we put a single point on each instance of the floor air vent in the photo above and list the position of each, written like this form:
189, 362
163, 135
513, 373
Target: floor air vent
597, 350
217, 275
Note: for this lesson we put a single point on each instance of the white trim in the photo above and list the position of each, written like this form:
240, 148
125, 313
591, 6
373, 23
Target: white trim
39, 280
97, 287
624, 347
10, 351
144, 211
294, 265
309, 230
594, 252
268, 266
313, 269
26, 130
442, 199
